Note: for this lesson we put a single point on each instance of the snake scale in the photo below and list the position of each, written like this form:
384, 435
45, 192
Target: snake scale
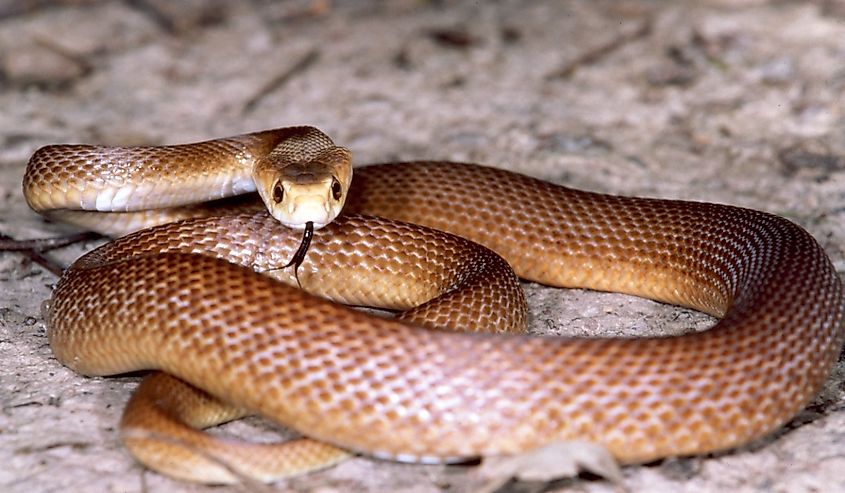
172, 298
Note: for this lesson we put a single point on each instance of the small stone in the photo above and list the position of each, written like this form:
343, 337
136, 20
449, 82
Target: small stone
39, 65
777, 71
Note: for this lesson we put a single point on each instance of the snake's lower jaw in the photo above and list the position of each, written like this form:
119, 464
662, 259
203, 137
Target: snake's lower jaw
299, 222
304, 209
301, 226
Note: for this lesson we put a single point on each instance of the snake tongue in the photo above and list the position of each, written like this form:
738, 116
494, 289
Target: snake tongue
299, 256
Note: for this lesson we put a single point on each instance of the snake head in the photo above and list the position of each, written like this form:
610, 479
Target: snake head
305, 191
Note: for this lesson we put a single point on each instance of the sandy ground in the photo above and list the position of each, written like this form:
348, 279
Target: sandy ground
737, 102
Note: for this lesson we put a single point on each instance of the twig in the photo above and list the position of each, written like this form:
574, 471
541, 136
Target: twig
85, 66
154, 13
38, 258
174, 18
45, 244
281, 79
596, 54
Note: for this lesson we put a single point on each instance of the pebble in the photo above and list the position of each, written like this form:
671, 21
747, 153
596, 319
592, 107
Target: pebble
39, 65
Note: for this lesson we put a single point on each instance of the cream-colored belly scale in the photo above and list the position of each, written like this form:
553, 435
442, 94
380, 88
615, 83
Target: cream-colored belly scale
392, 389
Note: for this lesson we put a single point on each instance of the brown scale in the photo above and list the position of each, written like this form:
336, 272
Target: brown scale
391, 389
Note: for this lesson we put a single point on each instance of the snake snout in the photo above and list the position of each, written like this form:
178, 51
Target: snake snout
304, 208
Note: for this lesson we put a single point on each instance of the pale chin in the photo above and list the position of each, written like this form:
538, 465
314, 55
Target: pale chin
301, 226
298, 223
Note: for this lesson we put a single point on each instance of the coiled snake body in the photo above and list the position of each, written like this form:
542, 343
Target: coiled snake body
391, 389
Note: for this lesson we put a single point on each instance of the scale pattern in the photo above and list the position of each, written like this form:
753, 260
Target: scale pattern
390, 389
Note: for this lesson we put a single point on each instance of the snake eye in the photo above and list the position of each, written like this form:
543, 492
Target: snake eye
278, 192
336, 189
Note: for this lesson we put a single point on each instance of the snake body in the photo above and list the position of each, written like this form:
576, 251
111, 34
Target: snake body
391, 389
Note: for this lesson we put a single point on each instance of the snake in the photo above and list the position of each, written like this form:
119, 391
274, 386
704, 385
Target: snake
436, 241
